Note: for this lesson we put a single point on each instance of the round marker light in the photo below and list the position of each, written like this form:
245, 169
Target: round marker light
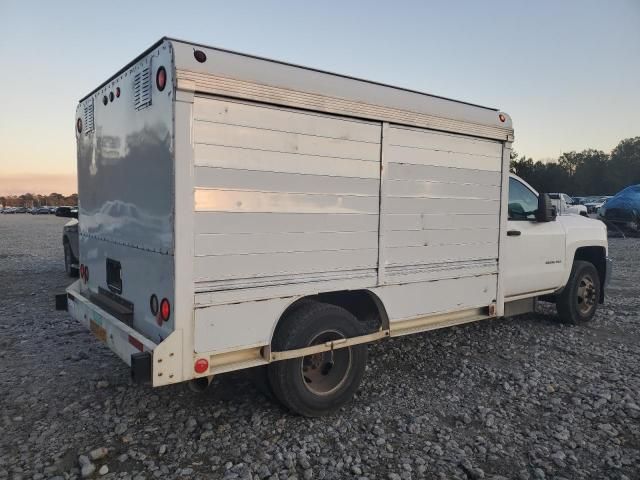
153, 304
117, 92
502, 117
200, 56
79, 125
201, 365
82, 271
105, 100
111, 97
161, 78
86, 273
165, 309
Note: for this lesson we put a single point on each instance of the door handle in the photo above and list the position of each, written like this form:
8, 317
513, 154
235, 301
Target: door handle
513, 233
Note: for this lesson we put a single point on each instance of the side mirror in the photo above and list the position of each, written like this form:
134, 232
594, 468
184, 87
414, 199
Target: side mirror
546, 212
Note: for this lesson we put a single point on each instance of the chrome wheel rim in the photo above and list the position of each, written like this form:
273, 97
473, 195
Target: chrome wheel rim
586, 297
325, 372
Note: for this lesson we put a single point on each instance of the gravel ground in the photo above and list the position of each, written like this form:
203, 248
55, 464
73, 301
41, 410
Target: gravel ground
520, 398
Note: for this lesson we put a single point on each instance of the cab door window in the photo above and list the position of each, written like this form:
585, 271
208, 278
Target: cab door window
522, 201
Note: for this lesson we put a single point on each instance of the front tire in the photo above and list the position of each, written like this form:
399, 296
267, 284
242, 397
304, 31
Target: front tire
578, 302
68, 261
318, 384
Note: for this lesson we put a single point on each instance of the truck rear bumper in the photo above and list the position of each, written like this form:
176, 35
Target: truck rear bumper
132, 347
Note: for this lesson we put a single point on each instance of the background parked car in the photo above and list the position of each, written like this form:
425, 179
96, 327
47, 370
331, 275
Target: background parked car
70, 239
40, 211
593, 205
622, 211
565, 205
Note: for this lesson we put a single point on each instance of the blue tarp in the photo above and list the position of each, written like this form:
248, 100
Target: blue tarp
624, 207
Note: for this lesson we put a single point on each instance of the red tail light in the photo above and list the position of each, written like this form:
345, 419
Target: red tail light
161, 78
165, 309
201, 365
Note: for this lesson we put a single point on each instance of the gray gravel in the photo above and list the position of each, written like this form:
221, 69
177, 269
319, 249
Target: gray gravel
521, 398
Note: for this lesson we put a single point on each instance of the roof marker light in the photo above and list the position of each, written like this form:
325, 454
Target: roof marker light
200, 56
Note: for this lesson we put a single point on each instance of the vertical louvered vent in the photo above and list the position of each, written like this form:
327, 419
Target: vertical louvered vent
88, 116
142, 88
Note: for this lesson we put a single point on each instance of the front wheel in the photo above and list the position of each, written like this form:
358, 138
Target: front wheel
317, 384
68, 261
578, 301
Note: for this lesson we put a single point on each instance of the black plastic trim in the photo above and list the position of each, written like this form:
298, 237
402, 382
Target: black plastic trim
141, 367
61, 302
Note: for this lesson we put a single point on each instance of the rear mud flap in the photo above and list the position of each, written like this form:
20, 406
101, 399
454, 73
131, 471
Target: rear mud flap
61, 302
141, 367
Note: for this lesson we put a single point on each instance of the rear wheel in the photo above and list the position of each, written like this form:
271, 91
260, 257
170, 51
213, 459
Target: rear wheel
317, 384
578, 301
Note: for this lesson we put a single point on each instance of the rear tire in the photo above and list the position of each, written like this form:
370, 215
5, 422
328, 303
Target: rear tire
578, 302
319, 384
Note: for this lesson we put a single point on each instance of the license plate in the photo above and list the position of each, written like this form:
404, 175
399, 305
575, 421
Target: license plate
98, 331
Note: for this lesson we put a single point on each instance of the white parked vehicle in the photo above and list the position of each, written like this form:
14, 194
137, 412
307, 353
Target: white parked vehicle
566, 206
239, 212
596, 204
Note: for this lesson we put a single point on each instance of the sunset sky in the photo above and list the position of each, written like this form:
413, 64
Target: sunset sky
568, 72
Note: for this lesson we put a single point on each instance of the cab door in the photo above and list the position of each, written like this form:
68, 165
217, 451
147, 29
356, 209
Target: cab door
535, 251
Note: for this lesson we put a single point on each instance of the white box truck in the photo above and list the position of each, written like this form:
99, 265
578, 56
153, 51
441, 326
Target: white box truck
239, 212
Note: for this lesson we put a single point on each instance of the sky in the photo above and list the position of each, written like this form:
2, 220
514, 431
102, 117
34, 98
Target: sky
568, 72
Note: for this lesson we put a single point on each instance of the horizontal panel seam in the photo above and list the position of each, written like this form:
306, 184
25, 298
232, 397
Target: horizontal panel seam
315, 232
496, 157
246, 190
346, 177
363, 250
287, 131
196, 143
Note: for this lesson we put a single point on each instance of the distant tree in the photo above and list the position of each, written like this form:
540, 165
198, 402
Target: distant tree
624, 164
570, 162
71, 200
26, 200
55, 199
590, 176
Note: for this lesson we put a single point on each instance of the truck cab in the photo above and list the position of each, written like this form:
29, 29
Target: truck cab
542, 254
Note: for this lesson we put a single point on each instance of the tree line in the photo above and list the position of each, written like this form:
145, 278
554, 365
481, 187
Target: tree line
590, 172
31, 200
